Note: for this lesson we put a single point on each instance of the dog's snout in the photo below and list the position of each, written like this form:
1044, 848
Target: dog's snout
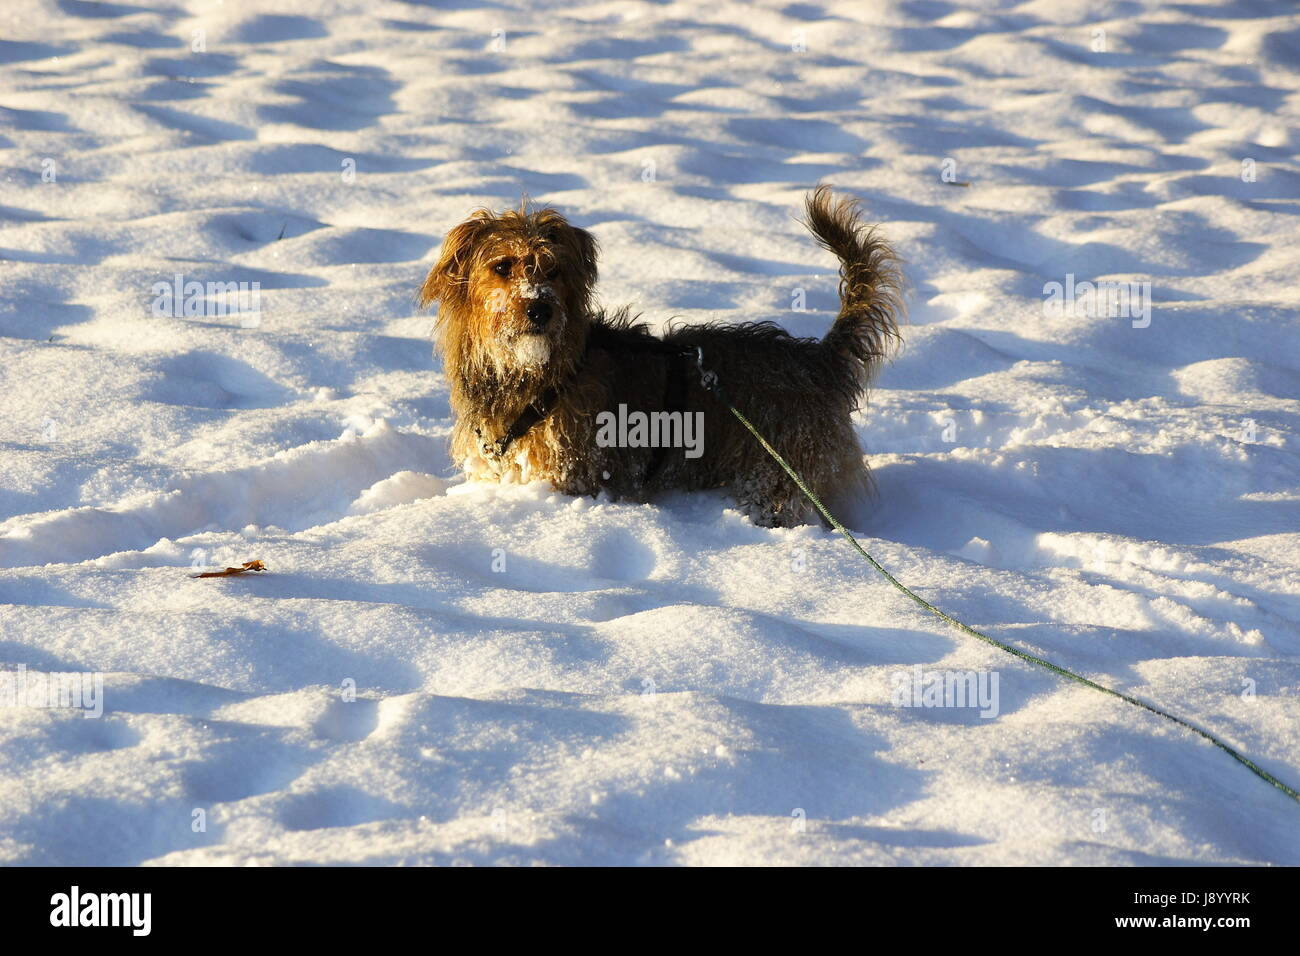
539, 312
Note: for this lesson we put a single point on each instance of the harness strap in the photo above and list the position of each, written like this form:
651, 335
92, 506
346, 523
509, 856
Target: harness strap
533, 413
529, 417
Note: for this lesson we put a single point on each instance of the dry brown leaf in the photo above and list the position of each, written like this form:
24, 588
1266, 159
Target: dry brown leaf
247, 566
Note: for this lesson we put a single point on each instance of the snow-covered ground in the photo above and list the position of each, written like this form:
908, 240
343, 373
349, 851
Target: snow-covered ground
540, 679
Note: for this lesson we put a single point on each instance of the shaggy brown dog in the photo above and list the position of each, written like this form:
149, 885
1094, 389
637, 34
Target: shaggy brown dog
545, 385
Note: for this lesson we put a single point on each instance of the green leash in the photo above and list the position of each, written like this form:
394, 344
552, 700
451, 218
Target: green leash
710, 381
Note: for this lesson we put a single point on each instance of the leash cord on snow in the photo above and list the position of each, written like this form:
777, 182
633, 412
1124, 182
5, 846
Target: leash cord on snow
710, 382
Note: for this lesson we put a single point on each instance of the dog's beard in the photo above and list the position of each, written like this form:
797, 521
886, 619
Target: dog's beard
531, 351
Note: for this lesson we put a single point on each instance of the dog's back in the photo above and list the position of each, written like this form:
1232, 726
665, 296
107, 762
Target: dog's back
799, 392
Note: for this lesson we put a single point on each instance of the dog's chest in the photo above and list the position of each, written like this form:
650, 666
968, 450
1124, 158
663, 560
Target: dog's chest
549, 451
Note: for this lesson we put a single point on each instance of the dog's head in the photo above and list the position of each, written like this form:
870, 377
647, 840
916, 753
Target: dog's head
513, 289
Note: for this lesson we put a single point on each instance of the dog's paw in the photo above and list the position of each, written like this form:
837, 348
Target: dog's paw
775, 514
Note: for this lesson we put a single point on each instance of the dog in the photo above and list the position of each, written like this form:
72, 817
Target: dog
537, 369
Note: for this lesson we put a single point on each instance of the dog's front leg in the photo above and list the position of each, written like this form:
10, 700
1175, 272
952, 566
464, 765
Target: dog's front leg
479, 460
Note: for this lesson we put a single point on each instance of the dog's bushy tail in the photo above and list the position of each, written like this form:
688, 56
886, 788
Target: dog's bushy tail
866, 329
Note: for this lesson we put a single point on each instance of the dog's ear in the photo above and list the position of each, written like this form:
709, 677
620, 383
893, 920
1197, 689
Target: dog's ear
581, 250
588, 252
576, 247
452, 266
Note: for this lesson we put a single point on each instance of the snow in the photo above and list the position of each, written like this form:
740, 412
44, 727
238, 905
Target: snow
540, 679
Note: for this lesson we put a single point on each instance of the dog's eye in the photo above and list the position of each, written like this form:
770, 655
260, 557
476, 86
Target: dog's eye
502, 268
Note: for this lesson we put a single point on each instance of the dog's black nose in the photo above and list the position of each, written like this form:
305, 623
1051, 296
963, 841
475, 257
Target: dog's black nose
539, 312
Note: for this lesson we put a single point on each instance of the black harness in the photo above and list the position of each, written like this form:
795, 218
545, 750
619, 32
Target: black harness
537, 410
